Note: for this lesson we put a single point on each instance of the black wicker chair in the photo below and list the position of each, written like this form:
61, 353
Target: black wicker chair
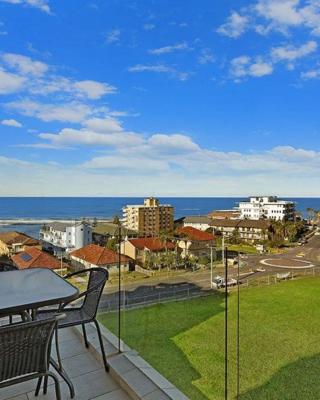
85, 313
25, 352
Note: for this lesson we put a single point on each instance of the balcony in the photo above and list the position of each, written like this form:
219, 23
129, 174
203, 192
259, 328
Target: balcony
130, 377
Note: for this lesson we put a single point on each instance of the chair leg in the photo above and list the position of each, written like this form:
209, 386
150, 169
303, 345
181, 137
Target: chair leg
106, 366
85, 335
57, 347
38, 387
56, 384
45, 385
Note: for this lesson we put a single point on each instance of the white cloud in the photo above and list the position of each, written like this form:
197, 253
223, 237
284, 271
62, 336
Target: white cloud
259, 69
113, 36
291, 53
148, 27
34, 77
172, 142
94, 89
11, 122
84, 137
244, 66
311, 74
103, 125
206, 57
69, 112
264, 16
199, 172
282, 12
42, 5
235, 26
170, 49
160, 68
24, 65
10, 83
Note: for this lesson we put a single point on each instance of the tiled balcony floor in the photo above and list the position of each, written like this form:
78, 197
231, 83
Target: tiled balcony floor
86, 372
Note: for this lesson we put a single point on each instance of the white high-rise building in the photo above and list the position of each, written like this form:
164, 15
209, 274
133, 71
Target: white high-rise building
269, 207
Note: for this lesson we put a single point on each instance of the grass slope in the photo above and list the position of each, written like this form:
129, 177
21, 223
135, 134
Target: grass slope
280, 346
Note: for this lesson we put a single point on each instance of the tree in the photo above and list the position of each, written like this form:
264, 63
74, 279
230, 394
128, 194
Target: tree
112, 244
235, 236
116, 220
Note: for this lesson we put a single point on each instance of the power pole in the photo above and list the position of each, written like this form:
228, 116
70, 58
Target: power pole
223, 260
211, 262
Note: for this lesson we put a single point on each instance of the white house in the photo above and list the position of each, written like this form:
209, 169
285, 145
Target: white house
267, 207
59, 237
201, 222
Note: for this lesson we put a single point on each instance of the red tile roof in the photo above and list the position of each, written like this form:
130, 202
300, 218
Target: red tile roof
195, 234
35, 258
151, 243
15, 237
98, 255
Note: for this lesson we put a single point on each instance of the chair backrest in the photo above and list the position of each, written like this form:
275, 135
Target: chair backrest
7, 267
97, 279
25, 348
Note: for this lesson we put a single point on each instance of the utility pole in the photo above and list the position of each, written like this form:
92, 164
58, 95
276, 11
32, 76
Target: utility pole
222, 249
211, 263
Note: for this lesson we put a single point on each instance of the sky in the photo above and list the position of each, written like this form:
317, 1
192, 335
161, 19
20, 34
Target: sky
162, 98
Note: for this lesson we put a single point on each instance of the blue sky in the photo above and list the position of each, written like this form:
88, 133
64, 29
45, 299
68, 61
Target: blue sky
195, 98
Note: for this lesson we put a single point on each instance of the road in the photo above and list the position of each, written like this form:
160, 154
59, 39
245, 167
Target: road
188, 284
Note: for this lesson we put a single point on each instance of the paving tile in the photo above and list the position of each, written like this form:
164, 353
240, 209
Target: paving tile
16, 390
87, 387
80, 364
156, 395
137, 382
118, 394
21, 397
175, 394
120, 364
157, 378
69, 348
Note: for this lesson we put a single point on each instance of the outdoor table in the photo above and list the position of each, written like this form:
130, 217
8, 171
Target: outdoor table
30, 289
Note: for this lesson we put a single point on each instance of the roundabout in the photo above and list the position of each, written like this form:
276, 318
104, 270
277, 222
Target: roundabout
287, 263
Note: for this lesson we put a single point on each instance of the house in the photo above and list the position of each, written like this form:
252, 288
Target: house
138, 248
13, 242
34, 258
103, 231
60, 237
201, 222
224, 214
149, 218
268, 207
248, 230
194, 242
92, 255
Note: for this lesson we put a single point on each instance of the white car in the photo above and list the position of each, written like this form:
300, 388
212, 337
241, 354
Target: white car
219, 282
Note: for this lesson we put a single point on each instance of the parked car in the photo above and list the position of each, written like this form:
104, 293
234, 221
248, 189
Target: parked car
219, 282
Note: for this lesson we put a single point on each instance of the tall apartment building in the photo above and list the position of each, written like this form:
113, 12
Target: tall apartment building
59, 237
149, 218
269, 207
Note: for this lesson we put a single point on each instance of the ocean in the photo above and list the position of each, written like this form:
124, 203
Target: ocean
26, 214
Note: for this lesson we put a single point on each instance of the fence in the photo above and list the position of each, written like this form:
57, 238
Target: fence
131, 300
274, 278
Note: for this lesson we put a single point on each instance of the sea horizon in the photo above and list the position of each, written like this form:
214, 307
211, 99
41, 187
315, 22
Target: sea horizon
27, 214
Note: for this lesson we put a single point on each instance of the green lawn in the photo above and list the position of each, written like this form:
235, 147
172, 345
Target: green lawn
280, 342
